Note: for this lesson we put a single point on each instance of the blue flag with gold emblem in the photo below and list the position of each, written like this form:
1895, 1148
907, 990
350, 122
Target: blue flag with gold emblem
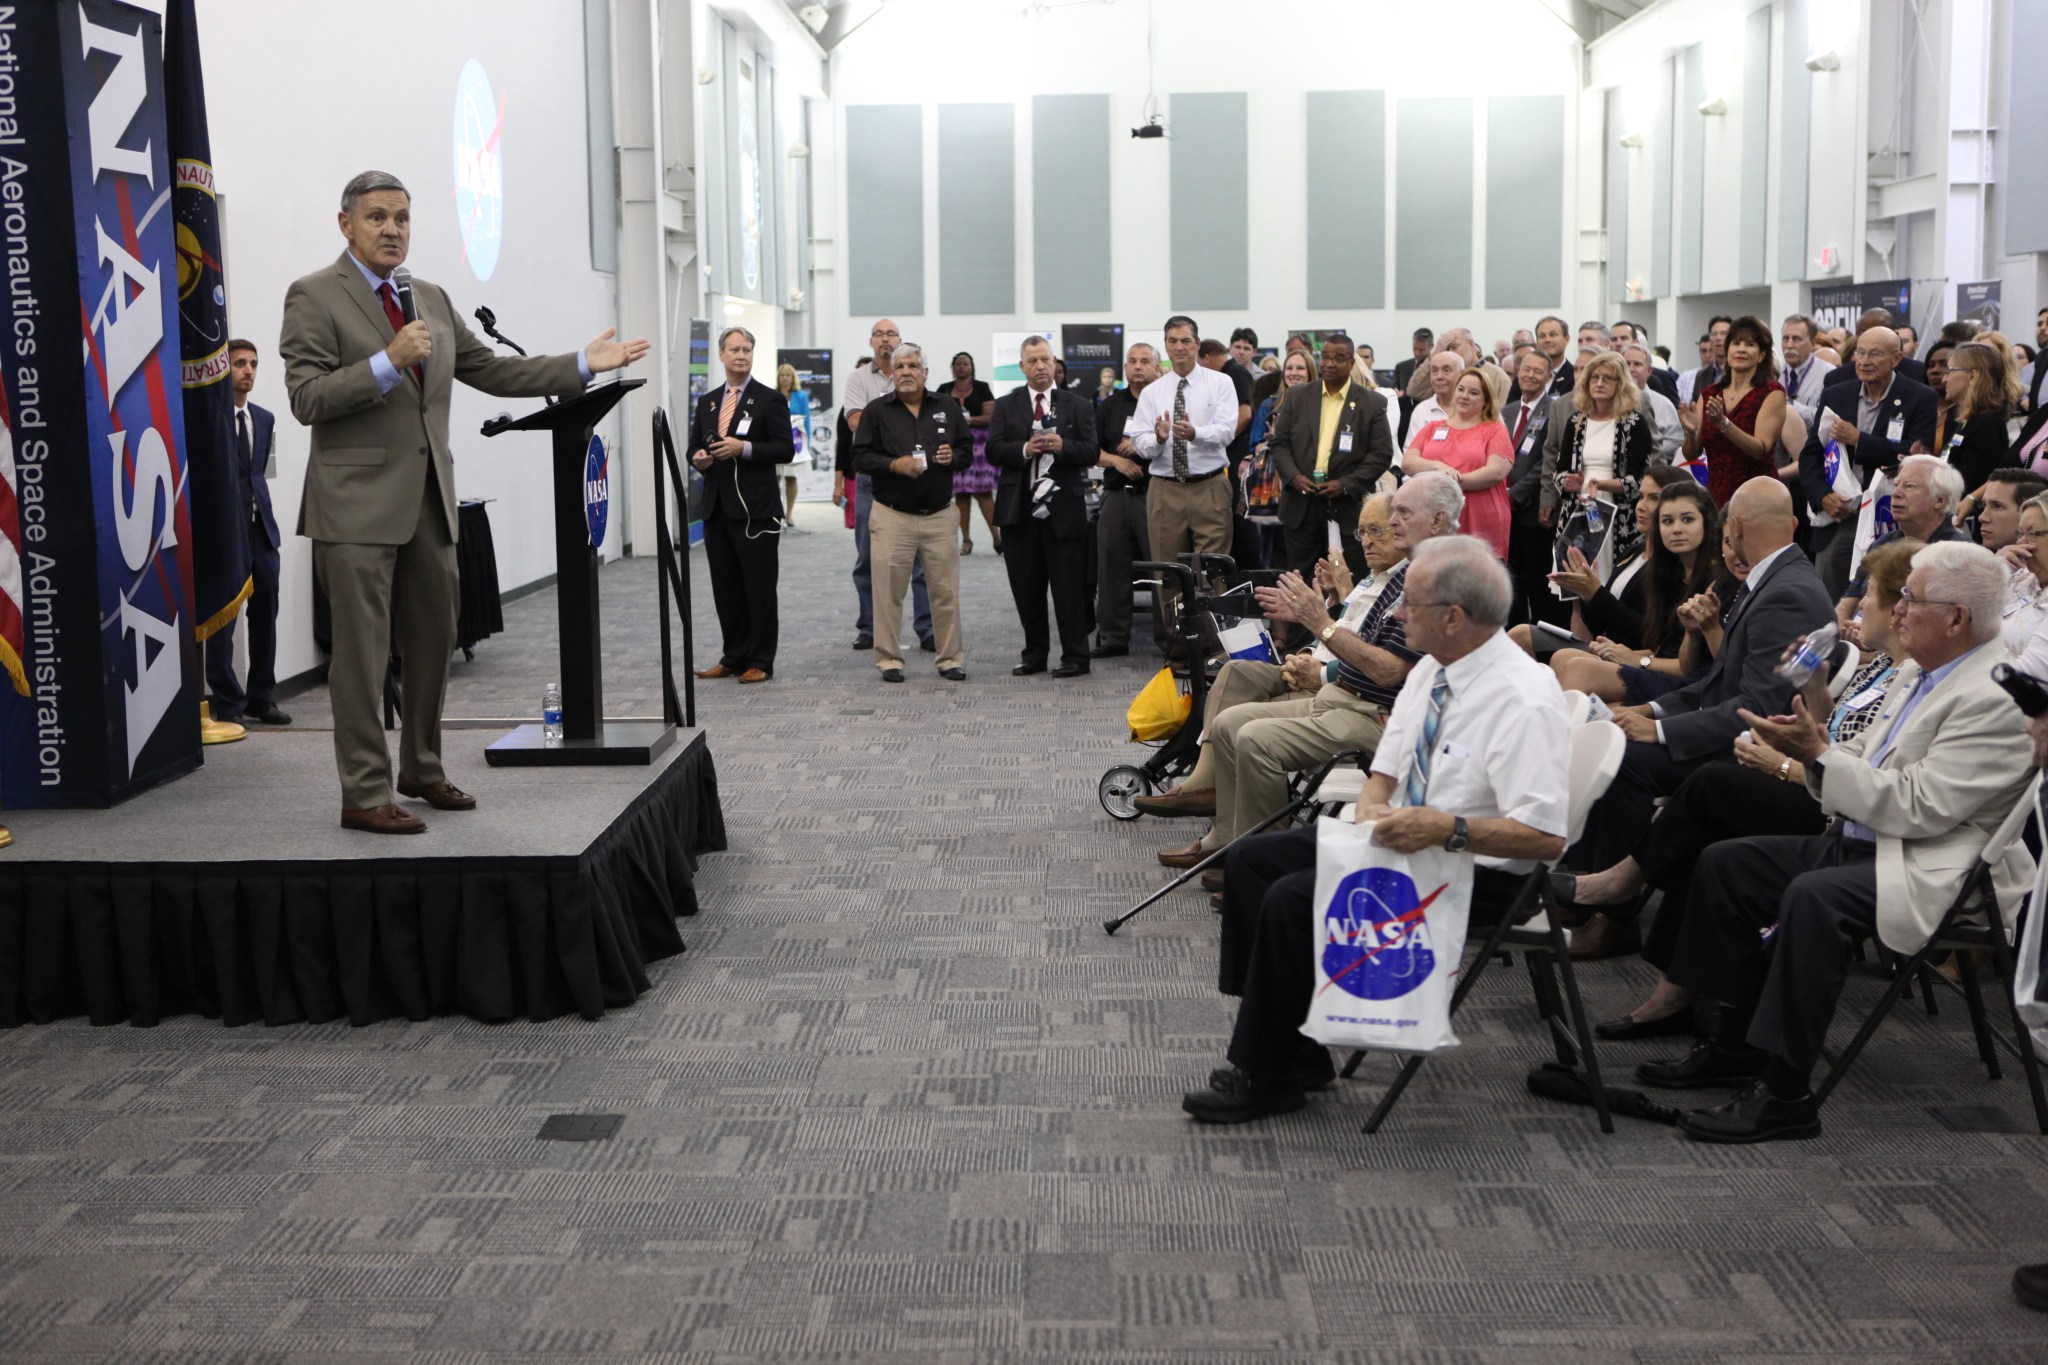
220, 525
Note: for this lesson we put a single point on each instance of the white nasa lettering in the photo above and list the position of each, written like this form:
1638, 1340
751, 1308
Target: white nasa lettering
131, 336
118, 101
135, 518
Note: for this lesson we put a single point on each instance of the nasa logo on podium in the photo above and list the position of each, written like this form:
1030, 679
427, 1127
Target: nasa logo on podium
1376, 941
479, 170
596, 490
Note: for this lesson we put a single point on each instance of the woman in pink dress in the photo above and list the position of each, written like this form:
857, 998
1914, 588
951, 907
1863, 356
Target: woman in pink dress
1472, 447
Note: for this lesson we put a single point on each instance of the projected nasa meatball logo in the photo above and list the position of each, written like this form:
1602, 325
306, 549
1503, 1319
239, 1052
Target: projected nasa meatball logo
479, 170
1376, 942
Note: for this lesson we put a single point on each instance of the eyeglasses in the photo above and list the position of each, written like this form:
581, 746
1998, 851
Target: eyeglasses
2031, 535
1908, 600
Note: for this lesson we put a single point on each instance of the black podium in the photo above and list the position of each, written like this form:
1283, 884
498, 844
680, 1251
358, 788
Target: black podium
587, 737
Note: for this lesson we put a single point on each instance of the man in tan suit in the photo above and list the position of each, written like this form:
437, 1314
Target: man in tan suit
369, 363
1914, 798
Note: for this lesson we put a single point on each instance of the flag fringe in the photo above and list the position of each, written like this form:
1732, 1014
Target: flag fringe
225, 616
12, 663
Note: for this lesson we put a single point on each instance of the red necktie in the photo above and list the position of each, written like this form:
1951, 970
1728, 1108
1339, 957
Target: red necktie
390, 297
1040, 400
1521, 425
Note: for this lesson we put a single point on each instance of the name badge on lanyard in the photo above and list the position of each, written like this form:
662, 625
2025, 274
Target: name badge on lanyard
1895, 430
744, 425
1343, 443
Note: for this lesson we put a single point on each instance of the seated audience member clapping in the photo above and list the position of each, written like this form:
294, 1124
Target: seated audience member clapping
1604, 448
1917, 795
1503, 799
1697, 724
1616, 602
1253, 759
1245, 689
1762, 792
1684, 549
1471, 446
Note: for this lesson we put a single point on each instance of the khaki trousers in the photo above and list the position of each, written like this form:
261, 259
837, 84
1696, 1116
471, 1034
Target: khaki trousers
897, 540
381, 594
1180, 517
1238, 682
1258, 745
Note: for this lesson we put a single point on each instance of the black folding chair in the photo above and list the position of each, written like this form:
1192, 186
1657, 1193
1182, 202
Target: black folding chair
1956, 934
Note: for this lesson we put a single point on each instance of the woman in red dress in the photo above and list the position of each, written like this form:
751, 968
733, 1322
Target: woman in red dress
1472, 447
1738, 422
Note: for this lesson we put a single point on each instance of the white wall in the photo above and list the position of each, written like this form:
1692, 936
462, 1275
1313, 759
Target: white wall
291, 122
945, 51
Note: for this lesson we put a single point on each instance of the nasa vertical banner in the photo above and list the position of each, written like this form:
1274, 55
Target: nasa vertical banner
220, 550
105, 559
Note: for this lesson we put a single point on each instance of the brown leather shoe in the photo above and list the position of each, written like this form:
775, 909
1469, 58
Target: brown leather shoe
715, 671
1183, 857
1175, 804
442, 795
753, 675
1212, 879
1603, 936
383, 820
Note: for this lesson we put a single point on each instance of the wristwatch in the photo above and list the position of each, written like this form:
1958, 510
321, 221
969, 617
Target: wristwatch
1326, 632
1460, 836
1645, 661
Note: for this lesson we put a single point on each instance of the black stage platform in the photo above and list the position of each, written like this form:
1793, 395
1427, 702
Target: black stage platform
235, 893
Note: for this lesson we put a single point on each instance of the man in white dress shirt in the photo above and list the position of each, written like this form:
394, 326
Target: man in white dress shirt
1181, 431
1663, 415
1493, 785
1802, 375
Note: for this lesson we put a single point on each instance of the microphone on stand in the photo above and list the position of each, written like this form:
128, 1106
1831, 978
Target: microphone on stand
489, 322
401, 280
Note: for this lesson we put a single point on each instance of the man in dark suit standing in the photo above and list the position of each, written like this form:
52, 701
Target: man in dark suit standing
1527, 418
739, 432
1879, 416
1869, 320
1120, 532
1553, 338
255, 441
370, 360
1042, 438
1780, 601
1330, 444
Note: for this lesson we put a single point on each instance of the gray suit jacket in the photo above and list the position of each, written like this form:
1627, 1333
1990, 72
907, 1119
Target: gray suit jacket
1948, 782
1297, 436
371, 451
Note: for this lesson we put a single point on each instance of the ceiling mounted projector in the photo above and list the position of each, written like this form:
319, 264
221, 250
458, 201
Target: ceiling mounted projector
1152, 128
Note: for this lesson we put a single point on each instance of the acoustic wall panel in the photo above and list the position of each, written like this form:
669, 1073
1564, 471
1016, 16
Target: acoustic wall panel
1211, 247
1662, 154
884, 156
1756, 148
1070, 137
1433, 203
1346, 208
1524, 201
2026, 161
1692, 170
1796, 83
977, 208
1620, 161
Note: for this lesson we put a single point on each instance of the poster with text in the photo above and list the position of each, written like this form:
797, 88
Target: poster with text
1981, 303
1089, 349
1839, 305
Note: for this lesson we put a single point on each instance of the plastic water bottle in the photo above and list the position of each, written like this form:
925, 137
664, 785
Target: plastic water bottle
917, 454
551, 713
1812, 656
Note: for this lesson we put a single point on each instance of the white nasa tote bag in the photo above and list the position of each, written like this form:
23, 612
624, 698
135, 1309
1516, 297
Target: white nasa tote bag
1390, 932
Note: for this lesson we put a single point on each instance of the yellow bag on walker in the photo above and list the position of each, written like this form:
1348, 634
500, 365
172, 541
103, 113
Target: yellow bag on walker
1159, 709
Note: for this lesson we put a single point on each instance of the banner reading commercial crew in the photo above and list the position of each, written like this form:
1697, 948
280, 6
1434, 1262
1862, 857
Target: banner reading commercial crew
86, 236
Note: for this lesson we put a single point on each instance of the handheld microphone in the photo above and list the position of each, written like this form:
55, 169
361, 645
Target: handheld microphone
401, 280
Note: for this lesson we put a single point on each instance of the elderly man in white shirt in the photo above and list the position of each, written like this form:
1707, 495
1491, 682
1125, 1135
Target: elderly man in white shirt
1474, 759
1444, 369
1181, 431
1663, 413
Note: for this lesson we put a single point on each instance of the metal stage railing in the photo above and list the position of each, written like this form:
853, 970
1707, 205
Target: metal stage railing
673, 575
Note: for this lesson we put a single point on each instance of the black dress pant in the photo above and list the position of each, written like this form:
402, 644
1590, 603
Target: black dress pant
1036, 560
1529, 565
1308, 543
1620, 818
1719, 802
1267, 958
744, 557
230, 699
1820, 892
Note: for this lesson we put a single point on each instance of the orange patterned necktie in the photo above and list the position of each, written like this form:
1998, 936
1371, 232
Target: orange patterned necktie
732, 398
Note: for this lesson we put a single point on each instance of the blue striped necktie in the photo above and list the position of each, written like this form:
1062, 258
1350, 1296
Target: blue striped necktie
1425, 743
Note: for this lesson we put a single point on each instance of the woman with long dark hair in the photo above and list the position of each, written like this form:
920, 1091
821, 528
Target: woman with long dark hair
977, 482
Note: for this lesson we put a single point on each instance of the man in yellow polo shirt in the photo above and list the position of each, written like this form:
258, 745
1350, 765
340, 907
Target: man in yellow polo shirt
1330, 443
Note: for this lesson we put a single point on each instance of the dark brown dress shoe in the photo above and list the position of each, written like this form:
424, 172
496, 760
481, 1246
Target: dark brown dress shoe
383, 820
1183, 858
1238, 1098
754, 675
716, 671
1183, 802
1603, 936
442, 795
1212, 879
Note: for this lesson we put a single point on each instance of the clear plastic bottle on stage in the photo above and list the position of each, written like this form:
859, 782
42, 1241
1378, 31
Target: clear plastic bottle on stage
551, 713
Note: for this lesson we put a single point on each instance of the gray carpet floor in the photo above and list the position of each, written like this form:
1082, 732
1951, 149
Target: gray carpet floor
903, 1100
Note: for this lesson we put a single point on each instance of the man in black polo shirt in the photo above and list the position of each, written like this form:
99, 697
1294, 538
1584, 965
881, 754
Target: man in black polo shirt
1120, 538
908, 444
